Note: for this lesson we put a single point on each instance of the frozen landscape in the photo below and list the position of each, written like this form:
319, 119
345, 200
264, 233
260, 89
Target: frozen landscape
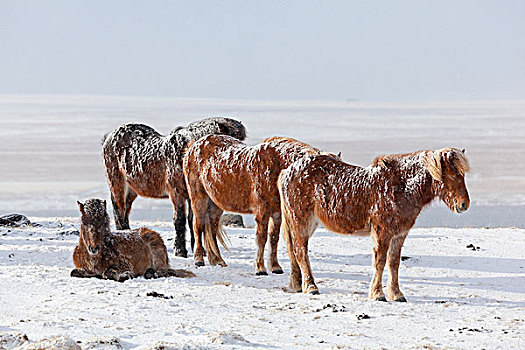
463, 275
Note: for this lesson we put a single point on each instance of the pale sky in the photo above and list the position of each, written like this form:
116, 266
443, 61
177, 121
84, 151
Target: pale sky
328, 50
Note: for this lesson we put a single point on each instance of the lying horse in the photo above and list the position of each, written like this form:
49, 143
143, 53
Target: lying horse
223, 173
128, 254
383, 200
141, 162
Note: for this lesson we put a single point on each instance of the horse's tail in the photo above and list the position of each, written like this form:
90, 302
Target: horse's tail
286, 228
210, 237
159, 253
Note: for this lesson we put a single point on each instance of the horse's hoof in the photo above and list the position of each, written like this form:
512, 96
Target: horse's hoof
261, 273
150, 273
199, 263
181, 253
76, 273
278, 271
382, 298
222, 264
401, 299
124, 277
313, 292
295, 288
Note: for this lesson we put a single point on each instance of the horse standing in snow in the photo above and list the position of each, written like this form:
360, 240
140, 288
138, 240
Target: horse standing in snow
128, 254
141, 162
383, 200
223, 173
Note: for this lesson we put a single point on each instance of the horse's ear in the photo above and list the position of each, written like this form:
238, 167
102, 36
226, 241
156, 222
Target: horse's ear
339, 155
80, 207
104, 201
382, 161
463, 151
432, 161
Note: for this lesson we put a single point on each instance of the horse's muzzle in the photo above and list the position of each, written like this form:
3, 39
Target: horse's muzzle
460, 208
94, 250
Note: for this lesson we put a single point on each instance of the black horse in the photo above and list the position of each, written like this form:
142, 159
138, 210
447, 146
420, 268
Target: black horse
141, 162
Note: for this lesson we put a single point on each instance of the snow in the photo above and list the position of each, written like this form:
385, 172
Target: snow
457, 297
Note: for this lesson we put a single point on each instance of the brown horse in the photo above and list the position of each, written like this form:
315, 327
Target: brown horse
141, 162
127, 254
223, 173
383, 200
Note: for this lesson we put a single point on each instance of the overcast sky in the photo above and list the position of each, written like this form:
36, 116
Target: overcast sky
335, 50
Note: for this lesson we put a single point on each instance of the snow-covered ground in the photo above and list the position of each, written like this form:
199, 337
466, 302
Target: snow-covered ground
457, 297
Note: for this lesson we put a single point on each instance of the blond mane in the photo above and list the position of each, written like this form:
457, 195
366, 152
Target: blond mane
432, 161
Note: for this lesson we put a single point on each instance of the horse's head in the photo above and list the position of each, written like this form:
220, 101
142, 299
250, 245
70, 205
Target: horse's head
94, 223
448, 167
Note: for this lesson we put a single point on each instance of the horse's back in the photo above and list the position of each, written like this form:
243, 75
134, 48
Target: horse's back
125, 135
216, 126
330, 188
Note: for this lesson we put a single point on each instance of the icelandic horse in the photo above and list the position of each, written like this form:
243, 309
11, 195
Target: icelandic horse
118, 256
382, 200
224, 174
141, 162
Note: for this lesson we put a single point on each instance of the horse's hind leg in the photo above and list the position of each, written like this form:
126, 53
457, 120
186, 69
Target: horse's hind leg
131, 195
179, 221
199, 207
273, 230
261, 236
302, 234
117, 188
215, 214
190, 225
393, 259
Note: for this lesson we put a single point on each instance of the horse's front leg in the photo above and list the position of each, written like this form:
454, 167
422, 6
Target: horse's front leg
393, 259
381, 240
273, 230
114, 273
179, 221
81, 273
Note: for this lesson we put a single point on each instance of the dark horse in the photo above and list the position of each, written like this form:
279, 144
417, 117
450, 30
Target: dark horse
223, 173
118, 256
383, 200
141, 162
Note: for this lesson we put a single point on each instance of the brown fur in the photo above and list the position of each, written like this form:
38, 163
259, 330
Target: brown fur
383, 200
223, 173
127, 254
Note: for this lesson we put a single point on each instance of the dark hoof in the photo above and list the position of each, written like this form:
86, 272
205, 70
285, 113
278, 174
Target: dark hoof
383, 298
261, 273
181, 253
199, 263
278, 271
314, 292
76, 273
150, 273
401, 300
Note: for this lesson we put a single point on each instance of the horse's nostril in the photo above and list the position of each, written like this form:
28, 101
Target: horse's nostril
464, 206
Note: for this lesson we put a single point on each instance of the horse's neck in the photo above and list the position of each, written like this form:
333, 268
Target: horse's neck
416, 181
